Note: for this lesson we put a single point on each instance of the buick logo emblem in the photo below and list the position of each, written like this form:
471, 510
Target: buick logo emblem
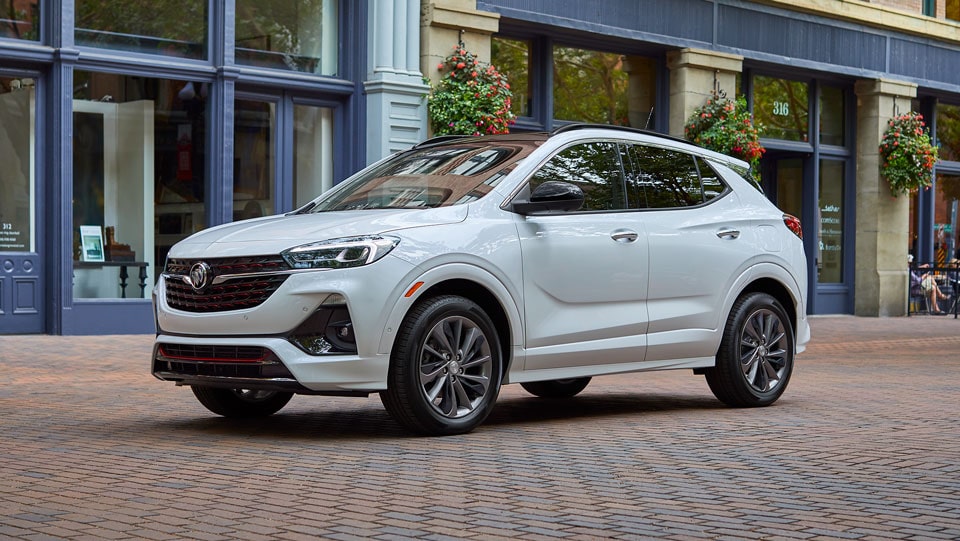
199, 277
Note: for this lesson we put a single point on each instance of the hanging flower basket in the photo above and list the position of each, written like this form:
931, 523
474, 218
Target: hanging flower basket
726, 126
907, 156
472, 98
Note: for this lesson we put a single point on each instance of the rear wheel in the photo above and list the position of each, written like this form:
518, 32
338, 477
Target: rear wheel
445, 369
755, 359
241, 402
558, 388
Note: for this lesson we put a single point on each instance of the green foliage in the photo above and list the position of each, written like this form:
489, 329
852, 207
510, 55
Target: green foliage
907, 156
726, 126
472, 98
589, 86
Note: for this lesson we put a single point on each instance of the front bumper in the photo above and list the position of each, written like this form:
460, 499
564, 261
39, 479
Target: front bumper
207, 348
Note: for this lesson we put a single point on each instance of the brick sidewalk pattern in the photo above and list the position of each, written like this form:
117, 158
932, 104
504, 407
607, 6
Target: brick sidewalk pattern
865, 444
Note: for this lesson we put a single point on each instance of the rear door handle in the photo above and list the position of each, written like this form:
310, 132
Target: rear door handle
728, 234
624, 235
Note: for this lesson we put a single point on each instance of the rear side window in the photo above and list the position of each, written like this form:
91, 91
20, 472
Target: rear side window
658, 178
594, 167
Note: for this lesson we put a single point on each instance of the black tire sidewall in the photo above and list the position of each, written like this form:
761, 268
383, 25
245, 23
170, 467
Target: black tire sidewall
404, 390
726, 378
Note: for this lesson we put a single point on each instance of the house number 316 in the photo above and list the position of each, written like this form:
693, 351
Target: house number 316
781, 108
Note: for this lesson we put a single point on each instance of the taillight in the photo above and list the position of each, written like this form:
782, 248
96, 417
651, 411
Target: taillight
793, 224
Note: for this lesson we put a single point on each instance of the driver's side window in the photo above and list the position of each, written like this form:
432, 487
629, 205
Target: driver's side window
594, 167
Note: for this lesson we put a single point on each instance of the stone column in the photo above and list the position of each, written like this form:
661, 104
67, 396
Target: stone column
444, 23
396, 108
642, 91
693, 74
882, 237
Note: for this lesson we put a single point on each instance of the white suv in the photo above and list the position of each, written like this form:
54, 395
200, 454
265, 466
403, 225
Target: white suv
441, 273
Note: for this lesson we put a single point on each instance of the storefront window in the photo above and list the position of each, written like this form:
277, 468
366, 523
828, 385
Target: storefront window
589, 86
20, 19
138, 177
254, 162
831, 116
830, 233
167, 27
781, 106
313, 152
298, 35
945, 234
17, 183
512, 58
948, 131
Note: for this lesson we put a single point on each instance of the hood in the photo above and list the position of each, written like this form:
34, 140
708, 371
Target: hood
272, 234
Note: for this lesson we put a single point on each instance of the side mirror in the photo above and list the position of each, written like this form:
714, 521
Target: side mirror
551, 196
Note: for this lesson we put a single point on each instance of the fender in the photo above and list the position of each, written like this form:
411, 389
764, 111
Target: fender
454, 271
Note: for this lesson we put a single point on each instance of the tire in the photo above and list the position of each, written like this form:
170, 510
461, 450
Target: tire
756, 353
558, 388
445, 369
241, 403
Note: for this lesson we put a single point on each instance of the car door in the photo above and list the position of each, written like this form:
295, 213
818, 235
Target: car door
584, 272
699, 238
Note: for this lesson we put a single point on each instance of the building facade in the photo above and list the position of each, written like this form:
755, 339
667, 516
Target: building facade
126, 125
823, 77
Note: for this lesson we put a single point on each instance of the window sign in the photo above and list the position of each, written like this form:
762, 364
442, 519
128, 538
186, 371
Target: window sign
830, 231
166, 27
17, 128
781, 106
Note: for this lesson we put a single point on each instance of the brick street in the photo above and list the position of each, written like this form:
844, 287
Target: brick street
865, 444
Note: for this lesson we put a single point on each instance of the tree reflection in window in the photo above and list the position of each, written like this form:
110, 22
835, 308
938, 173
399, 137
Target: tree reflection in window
594, 167
781, 107
660, 178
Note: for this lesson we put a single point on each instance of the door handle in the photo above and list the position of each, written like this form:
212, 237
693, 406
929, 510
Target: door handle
728, 234
624, 235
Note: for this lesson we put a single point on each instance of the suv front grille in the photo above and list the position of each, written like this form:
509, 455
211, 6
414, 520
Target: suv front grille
233, 294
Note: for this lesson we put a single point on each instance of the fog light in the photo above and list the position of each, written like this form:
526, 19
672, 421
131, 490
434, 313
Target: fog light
315, 345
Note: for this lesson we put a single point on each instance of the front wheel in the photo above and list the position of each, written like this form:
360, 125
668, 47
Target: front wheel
241, 403
755, 359
558, 388
445, 368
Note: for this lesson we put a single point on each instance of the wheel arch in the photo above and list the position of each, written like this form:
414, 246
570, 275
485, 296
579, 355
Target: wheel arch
470, 282
486, 300
778, 291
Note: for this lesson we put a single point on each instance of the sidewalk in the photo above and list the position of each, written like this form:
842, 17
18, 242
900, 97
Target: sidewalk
865, 444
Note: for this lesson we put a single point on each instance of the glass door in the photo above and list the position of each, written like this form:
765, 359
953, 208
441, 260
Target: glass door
284, 153
818, 198
21, 267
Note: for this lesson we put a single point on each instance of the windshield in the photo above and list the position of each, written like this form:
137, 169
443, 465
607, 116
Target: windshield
439, 176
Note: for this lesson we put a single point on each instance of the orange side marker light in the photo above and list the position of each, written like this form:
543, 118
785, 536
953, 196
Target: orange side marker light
413, 289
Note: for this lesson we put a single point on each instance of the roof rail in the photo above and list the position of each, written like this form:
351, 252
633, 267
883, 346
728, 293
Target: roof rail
586, 126
439, 139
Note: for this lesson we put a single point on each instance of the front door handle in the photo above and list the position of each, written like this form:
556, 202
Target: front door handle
728, 234
624, 235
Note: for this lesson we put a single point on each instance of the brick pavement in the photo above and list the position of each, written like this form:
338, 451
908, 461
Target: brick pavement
863, 445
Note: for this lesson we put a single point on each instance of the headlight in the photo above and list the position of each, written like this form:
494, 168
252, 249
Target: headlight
339, 253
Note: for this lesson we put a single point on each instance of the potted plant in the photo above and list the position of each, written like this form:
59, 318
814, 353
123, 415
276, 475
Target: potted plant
472, 98
907, 155
726, 126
